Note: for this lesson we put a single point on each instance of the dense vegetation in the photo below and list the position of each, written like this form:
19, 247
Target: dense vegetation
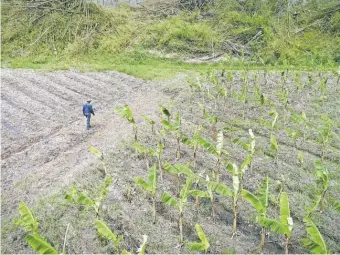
64, 34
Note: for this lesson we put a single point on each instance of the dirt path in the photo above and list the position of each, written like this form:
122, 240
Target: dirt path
43, 138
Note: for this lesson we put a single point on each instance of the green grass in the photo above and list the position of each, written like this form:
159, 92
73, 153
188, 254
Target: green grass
139, 64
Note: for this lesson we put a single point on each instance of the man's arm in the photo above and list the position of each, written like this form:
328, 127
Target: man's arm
92, 110
83, 109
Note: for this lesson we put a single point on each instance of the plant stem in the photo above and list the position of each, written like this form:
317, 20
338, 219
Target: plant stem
235, 218
263, 235
286, 246
212, 207
154, 210
180, 224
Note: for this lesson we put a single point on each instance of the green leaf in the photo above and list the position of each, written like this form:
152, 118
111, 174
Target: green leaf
125, 112
104, 189
153, 178
199, 193
142, 247
273, 143
40, 245
96, 152
254, 200
273, 225
207, 145
264, 192
169, 199
143, 184
140, 148
105, 231
28, 221
184, 193
219, 144
148, 119
219, 188
203, 245
164, 111
85, 200
285, 218
178, 169
315, 242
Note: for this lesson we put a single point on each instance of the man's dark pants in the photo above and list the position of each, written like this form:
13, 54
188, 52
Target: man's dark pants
88, 119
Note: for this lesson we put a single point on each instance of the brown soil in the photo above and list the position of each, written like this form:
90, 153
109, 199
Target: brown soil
44, 149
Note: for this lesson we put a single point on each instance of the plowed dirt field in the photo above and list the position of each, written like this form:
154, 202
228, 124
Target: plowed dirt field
43, 137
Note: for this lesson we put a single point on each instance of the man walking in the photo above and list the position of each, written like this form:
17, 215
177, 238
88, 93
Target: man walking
87, 111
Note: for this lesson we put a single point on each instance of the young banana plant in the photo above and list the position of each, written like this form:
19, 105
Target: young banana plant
83, 199
143, 150
212, 187
158, 152
100, 155
237, 175
260, 203
302, 121
175, 128
178, 170
323, 179
165, 111
30, 225
126, 113
243, 98
325, 134
105, 232
193, 143
315, 242
274, 146
248, 147
150, 121
212, 119
179, 203
285, 225
216, 151
203, 245
150, 186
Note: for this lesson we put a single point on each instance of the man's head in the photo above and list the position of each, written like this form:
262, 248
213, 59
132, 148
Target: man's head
88, 101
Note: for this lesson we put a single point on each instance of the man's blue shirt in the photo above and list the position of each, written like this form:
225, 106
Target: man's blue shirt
87, 108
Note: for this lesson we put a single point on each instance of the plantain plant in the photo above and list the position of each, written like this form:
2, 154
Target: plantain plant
126, 113
212, 187
323, 180
216, 151
100, 155
178, 170
260, 203
237, 175
285, 225
82, 198
193, 143
165, 111
302, 121
174, 127
158, 152
274, 146
203, 245
105, 232
248, 147
179, 203
150, 121
144, 151
315, 242
243, 97
30, 225
150, 186
325, 134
